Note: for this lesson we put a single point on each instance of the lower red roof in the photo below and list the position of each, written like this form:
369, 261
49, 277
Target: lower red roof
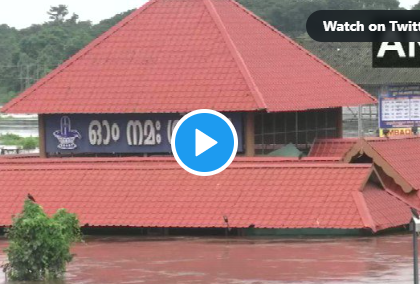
385, 210
158, 193
411, 198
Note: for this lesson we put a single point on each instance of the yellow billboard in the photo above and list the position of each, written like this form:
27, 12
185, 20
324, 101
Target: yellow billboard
395, 132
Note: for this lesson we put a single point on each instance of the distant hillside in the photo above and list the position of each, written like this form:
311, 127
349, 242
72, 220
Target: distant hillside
354, 59
29, 54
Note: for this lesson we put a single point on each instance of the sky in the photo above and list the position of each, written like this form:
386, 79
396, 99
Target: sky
23, 13
408, 3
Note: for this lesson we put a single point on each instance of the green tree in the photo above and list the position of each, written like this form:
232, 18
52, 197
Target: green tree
290, 16
29, 143
39, 246
9, 47
58, 13
416, 7
363, 4
74, 19
105, 25
29, 54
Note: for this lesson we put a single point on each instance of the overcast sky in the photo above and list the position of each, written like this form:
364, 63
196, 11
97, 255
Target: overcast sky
23, 13
408, 3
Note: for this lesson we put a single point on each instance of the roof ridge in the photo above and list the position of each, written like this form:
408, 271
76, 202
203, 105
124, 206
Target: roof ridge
301, 165
344, 139
363, 209
78, 55
383, 139
259, 100
360, 201
307, 52
37, 159
404, 200
86, 167
97, 165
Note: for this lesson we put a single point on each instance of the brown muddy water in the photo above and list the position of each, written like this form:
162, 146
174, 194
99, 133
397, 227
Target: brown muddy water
240, 261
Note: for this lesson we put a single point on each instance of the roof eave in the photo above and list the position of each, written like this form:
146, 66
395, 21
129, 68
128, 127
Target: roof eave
363, 148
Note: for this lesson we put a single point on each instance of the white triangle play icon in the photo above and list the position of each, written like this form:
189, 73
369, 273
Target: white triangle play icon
202, 142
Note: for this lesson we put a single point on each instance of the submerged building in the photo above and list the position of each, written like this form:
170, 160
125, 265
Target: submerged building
106, 117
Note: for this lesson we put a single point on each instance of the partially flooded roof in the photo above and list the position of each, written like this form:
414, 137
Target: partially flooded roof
156, 192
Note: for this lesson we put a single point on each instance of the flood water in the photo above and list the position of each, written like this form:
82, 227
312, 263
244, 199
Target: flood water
240, 261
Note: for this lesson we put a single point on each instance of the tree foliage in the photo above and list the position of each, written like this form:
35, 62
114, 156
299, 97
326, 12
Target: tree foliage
39, 246
27, 143
289, 16
58, 13
29, 54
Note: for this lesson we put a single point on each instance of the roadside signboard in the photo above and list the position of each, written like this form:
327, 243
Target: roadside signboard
396, 132
400, 107
117, 133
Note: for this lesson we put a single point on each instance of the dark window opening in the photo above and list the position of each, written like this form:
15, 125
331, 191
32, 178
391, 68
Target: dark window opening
274, 130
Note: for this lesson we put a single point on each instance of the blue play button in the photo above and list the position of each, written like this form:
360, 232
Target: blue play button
204, 142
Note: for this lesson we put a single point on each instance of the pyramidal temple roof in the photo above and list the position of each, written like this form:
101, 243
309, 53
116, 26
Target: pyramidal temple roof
183, 55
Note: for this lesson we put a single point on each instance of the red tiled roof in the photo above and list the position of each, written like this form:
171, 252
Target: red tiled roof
179, 56
137, 194
18, 156
398, 158
337, 148
411, 198
385, 210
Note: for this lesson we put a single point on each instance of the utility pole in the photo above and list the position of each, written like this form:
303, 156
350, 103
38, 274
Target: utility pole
415, 255
415, 227
360, 122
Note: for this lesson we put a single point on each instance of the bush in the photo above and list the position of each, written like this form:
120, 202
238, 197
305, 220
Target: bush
10, 139
39, 246
29, 143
